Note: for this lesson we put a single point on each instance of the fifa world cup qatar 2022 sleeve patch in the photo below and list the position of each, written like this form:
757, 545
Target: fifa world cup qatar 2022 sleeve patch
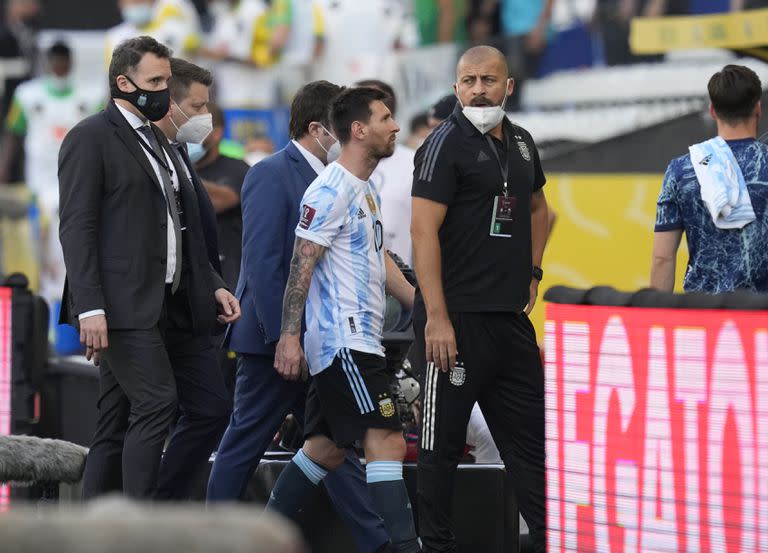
307, 215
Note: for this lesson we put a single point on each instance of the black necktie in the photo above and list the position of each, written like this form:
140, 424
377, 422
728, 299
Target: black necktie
170, 198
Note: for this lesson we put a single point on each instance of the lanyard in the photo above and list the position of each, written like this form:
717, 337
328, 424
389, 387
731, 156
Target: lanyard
161, 162
502, 167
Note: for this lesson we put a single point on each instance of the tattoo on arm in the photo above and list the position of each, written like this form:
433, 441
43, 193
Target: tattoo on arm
305, 256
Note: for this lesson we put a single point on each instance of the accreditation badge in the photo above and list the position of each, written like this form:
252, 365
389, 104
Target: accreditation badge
503, 216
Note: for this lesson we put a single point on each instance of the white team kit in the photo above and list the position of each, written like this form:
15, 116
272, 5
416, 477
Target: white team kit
345, 306
45, 116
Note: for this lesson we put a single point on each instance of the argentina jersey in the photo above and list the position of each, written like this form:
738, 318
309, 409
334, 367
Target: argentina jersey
345, 306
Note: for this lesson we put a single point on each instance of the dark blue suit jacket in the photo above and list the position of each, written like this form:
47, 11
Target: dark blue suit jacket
270, 199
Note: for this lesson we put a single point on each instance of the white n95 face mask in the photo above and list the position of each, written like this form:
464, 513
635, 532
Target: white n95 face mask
196, 129
485, 118
332, 153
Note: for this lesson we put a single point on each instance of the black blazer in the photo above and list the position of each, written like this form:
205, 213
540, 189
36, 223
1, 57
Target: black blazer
113, 228
207, 213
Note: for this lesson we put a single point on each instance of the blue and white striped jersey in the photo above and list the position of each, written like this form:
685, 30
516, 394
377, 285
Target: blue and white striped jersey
345, 307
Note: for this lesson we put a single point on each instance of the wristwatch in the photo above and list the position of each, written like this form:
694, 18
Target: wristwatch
537, 273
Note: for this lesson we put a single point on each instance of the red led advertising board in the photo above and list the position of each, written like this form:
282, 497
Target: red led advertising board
657, 430
5, 378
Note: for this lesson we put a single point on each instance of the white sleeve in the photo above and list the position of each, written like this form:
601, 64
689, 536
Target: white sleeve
324, 212
92, 313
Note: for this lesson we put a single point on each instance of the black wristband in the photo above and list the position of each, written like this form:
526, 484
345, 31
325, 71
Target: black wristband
537, 273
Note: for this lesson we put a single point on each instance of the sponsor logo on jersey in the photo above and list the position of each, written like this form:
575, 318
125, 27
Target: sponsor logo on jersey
360, 213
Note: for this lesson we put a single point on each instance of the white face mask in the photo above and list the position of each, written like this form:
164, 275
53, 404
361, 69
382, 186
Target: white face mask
332, 153
139, 15
196, 129
485, 118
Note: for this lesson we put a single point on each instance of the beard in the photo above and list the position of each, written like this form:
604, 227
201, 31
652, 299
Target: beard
385, 151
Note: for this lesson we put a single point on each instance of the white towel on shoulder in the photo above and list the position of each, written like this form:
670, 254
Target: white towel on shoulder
723, 189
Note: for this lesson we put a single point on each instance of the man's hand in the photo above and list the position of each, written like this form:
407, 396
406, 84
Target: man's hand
289, 357
93, 334
534, 293
440, 342
227, 305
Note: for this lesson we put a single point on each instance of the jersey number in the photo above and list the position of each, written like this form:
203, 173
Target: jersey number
378, 235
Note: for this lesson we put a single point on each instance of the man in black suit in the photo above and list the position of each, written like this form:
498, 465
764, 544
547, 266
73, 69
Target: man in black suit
137, 262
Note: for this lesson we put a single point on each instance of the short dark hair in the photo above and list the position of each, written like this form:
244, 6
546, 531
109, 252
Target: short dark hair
59, 49
443, 108
353, 104
391, 101
127, 56
734, 92
183, 74
217, 115
419, 121
311, 103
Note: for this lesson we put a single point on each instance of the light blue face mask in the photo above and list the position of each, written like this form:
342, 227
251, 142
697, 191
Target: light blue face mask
138, 14
196, 152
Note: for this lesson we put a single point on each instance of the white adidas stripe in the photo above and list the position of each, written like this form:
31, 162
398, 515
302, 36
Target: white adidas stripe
426, 412
435, 376
430, 407
356, 381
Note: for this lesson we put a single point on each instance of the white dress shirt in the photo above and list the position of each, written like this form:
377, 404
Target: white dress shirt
311, 158
170, 268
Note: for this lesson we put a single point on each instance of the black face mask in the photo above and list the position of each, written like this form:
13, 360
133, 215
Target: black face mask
153, 104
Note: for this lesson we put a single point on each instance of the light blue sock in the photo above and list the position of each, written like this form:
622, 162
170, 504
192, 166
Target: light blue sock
390, 498
296, 482
312, 470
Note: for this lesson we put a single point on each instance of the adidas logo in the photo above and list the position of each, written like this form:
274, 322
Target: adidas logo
360, 213
706, 160
482, 156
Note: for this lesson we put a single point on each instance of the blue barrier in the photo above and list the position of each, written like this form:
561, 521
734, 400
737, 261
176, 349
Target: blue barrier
66, 339
242, 124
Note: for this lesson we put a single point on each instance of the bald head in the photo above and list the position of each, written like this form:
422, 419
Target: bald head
482, 77
482, 55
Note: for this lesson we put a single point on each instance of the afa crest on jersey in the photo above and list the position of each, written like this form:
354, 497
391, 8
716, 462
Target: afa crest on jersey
387, 407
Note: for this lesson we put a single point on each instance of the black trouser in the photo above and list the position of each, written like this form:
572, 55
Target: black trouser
137, 403
141, 377
498, 366
204, 408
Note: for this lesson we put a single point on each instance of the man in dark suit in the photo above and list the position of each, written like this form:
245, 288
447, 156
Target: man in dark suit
270, 199
204, 402
137, 263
